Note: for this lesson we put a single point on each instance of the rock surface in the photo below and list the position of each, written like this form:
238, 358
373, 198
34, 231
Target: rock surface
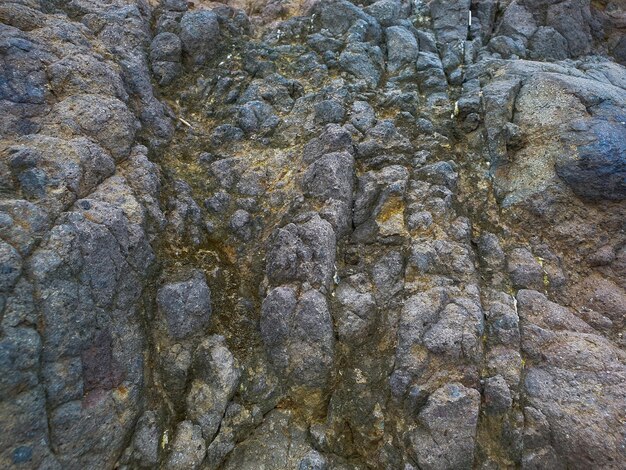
320, 235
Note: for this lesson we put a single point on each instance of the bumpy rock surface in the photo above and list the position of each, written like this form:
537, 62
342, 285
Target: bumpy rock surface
312, 235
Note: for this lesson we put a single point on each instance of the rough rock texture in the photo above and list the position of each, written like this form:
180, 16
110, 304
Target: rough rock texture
312, 235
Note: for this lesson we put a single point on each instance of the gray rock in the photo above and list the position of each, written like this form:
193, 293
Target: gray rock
598, 169
304, 252
517, 21
524, 270
241, 224
507, 47
457, 332
146, 440
330, 179
387, 12
105, 119
548, 44
402, 47
184, 219
497, 395
298, 336
267, 447
329, 111
568, 359
188, 448
448, 420
165, 47
442, 173
572, 20
338, 16
165, 57
174, 5
200, 34
216, 378
431, 76
175, 363
334, 138
218, 203
10, 266
384, 145
490, 251
377, 192
257, 116
356, 312
387, 274
364, 61
362, 116
313, 460
84, 73
185, 306
226, 134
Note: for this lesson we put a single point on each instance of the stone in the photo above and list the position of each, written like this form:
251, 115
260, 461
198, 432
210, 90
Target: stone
303, 252
497, 395
216, 378
257, 116
548, 44
200, 34
188, 447
363, 61
566, 369
387, 12
185, 306
356, 312
338, 16
298, 336
524, 270
165, 57
313, 460
165, 47
328, 111
10, 266
362, 116
402, 48
597, 169
146, 439
448, 420
105, 119
334, 138
370, 190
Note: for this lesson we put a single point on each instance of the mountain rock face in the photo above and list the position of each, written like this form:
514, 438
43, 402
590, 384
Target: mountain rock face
323, 235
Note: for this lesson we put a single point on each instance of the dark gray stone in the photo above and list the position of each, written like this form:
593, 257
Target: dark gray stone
364, 61
188, 448
524, 270
185, 306
548, 44
298, 336
304, 252
257, 116
448, 420
597, 170
200, 34
402, 48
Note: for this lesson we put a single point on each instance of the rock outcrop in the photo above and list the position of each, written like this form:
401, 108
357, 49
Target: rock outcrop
318, 235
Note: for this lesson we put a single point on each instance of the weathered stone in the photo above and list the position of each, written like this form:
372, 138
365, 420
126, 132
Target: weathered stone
298, 336
188, 447
185, 306
448, 426
199, 33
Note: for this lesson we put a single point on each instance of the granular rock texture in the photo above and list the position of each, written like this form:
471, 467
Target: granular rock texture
318, 235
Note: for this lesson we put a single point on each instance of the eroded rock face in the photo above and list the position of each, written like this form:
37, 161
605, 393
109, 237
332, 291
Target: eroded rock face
314, 236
